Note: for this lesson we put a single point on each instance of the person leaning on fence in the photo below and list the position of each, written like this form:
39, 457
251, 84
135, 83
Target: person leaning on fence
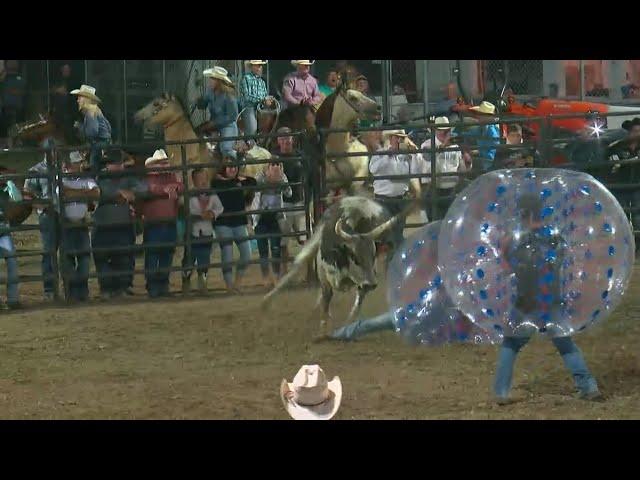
489, 134
253, 91
39, 190
300, 87
515, 157
233, 226
392, 193
159, 214
7, 248
270, 224
95, 128
114, 220
204, 208
294, 170
447, 161
75, 254
222, 104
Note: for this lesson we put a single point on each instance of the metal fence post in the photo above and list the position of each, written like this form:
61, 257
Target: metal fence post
60, 225
53, 174
186, 199
434, 177
425, 89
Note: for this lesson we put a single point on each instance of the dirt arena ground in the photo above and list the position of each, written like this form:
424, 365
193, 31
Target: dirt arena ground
222, 357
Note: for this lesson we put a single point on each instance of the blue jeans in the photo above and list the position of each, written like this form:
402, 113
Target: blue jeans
250, 121
200, 255
224, 232
113, 262
269, 227
48, 233
75, 266
361, 327
158, 257
226, 147
571, 355
12, 269
95, 154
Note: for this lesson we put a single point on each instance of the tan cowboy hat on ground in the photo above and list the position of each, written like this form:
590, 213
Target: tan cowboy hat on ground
256, 62
310, 396
86, 91
219, 73
397, 133
295, 63
485, 107
158, 156
443, 122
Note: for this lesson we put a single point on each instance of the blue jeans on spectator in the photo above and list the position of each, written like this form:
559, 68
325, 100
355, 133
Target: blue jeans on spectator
571, 355
48, 234
250, 120
226, 147
269, 226
200, 255
95, 154
362, 327
224, 232
107, 263
158, 257
75, 266
12, 268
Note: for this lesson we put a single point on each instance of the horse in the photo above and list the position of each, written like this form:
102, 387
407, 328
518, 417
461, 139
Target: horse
168, 111
34, 132
14, 213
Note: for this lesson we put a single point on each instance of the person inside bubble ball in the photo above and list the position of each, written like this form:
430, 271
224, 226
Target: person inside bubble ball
535, 257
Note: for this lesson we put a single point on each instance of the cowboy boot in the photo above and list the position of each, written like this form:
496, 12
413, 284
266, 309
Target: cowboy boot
202, 283
186, 284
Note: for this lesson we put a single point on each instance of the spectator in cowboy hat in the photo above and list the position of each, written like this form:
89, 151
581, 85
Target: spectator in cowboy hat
310, 396
447, 161
221, 101
253, 91
159, 214
74, 197
489, 135
95, 128
300, 87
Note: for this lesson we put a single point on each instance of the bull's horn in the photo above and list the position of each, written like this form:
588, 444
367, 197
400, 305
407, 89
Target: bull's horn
380, 229
341, 233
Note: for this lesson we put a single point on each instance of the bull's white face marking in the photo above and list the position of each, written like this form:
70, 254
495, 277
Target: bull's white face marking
360, 207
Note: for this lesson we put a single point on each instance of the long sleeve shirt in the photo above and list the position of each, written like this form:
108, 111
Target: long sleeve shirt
382, 165
446, 162
270, 198
199, 205
253, 90
223, 109
162, 206
96, 127
295, 89
111, 209
487, 142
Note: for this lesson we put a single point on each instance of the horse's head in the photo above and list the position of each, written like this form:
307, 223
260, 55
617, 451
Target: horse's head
351, 105
32, 131
162, 110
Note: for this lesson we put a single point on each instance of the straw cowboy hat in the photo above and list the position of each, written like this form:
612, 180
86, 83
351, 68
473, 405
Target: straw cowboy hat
443, 122
397, 133
219, 73
295, 63
485, 107
158, 156
256, 62
86, 91
310, 396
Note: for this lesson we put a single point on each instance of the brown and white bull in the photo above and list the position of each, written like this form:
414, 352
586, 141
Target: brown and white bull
345, 251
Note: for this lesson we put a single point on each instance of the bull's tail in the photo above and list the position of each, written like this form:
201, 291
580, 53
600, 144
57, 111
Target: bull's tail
305, 256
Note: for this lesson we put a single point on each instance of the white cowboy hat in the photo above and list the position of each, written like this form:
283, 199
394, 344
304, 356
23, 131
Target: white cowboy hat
86, 91
397, 133
158, 156
258, 153
256, 62
219, 73
75, 157
485, 107
310, 396
444, 122
295, 63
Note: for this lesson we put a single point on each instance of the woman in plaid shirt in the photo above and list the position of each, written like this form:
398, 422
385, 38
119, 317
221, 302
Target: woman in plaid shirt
253, 91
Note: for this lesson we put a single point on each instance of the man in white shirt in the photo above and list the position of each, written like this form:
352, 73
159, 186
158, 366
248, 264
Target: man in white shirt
449, 161
75, 247
392, 193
